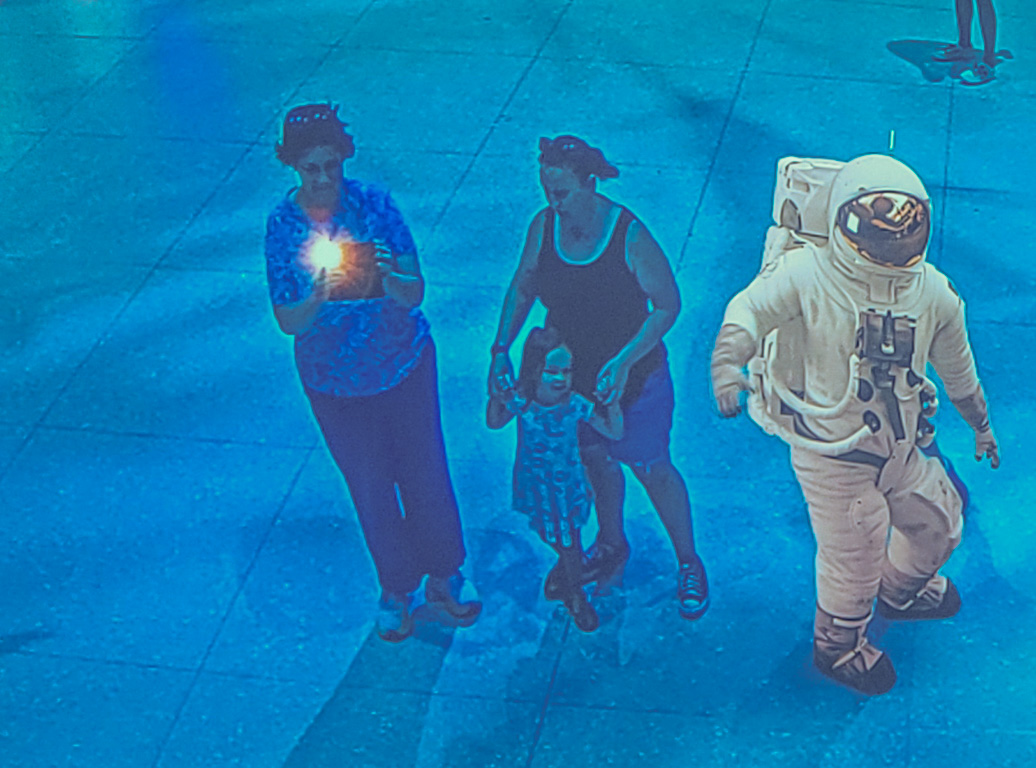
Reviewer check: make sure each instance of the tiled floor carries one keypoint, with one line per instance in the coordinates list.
(183, 581)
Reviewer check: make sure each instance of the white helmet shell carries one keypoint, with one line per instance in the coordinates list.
(866, 176)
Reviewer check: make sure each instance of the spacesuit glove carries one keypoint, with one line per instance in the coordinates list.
(975, 412)
(986, 445)
(734, 348)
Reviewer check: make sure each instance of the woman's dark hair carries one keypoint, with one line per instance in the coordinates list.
(313, 125)
(576, 155)
(539, 342)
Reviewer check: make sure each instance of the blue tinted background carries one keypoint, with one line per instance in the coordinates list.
(182, 580)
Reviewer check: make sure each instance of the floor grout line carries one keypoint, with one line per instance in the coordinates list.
(719, 141)
(242, 581)
(496, 120)
(542, 715)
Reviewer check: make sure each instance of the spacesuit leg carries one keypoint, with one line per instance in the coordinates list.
(850, 521)
(926, 518)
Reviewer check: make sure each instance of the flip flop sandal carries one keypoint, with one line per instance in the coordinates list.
(982, 72)
(955, 53)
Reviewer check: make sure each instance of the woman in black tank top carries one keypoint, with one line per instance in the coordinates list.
(610, 291)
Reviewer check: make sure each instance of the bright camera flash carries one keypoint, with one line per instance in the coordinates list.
(325, 253)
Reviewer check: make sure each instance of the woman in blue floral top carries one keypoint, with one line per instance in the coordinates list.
(345, 282)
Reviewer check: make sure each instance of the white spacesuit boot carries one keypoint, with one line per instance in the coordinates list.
(842, 652)
(910, 598)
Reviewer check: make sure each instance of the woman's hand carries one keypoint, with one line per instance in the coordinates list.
(501, 375)
(611, 381)
(322, 284)
(400, 276)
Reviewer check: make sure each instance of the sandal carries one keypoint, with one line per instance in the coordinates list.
(983, 74)
(955, 53)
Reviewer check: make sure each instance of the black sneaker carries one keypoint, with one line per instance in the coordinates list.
(606, 566)
(584, 616)
(692, 590)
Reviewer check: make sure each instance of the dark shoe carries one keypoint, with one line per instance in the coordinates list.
(454, 595)
(842, 653)
(605, 565)
(583, 614)
(395, 623)
(692, 590)
(938, 599)
(553, 585)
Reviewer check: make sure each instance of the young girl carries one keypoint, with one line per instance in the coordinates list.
(550, 485)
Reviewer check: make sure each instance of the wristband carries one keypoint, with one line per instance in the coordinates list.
(498, 349)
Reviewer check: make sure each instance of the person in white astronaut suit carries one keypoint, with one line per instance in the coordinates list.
(868, 314)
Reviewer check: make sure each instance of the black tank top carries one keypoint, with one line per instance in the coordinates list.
(598, 307)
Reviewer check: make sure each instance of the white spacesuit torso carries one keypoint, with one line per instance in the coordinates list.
(824, 397)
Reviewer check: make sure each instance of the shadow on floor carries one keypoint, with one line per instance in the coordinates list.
(922, 54)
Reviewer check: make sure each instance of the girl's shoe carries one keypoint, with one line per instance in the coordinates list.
(583, 614)
(692, 589)
(395, 622)
(454, 595)
(553, 585)
(605, 564)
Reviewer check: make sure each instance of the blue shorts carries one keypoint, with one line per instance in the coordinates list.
(647, 422)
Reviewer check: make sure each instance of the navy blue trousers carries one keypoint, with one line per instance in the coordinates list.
(389, 447)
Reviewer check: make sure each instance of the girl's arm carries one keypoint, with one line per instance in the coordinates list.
(497, 412)
(607, 419)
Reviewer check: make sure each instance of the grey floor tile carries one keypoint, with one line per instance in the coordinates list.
(12, 437)
(309, 602)
(154, 373)
(725, 248)
(70, 712)
(827, 726)
(581, 738)
(14, 145)
(122, 18)
(976, 224)
(980, 156)
(480, 238)
(779, 115)
(511, 652)
(464, 732)
(114, 200)
(45, 76)
(233, 721)
(173, 527)
(364, 728)
(811, 39)
(321, 22)
(472, 26)
(974, 746)
(413, 100)
(51, 319)
(662, 116)
(189, 88)
(655, 35)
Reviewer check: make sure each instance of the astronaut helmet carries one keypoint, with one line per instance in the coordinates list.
(881, 211)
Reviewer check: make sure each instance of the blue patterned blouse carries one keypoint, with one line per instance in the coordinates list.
(354, 347)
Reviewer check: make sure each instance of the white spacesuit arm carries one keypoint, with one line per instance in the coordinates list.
(772, 298)
(950, 352)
